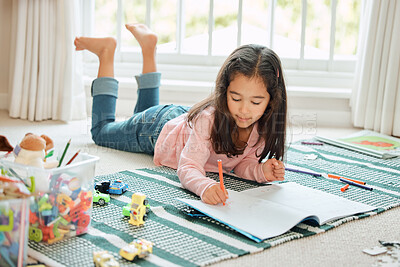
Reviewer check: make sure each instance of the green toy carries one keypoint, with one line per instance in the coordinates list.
(100, 198)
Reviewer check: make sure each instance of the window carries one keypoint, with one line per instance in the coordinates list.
(316, 40)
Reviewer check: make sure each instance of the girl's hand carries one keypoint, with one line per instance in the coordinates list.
(214, 195)
(274, 170)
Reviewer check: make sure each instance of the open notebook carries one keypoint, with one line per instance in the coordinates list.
(272, 210)
(368, 142)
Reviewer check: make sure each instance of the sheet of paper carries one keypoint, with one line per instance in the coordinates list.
(260, 218)
(325, 206)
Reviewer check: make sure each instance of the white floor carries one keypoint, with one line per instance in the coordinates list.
(341, 246)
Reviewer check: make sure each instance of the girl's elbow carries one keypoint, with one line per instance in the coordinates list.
(180, 174)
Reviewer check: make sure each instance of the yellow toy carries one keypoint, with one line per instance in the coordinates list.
(138, 248)
(104, 259)
(138, 211)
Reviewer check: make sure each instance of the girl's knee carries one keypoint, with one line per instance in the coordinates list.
(94, 132)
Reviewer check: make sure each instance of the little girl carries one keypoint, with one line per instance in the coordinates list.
(241, 123)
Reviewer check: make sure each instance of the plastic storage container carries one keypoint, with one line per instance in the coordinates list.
(14, 224)
(62, 197)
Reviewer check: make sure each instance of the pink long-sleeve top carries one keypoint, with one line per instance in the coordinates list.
(189, 150)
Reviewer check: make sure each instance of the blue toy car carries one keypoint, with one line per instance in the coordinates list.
(118, 187)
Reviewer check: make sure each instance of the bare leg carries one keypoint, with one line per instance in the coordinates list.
(104, 48)
(148, 42)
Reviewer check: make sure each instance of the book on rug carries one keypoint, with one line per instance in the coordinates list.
(271, 210)
(368, 142)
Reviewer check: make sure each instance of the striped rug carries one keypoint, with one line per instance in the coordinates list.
(197, 241)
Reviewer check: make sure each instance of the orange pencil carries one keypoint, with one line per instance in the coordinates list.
(73, 157)
(338, 177)
(344, 188)
(334, 176)
(221, 177)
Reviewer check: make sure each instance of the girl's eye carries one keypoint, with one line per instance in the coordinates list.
(235, 99)
(256, 103)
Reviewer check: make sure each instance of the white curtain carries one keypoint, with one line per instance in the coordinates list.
(46, 80)
(376, 96)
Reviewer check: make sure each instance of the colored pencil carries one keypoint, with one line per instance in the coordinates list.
(63, 154)
(221, 177)
(76, 154)
(305, 172)
(338, 177)
(355, 184)
(344, 188)
(312, 143)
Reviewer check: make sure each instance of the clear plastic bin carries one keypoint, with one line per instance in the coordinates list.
(63, 197)
(14, 224)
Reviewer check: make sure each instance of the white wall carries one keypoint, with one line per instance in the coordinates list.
(5, 36)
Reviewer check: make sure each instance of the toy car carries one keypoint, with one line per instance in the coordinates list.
(103, 186)
(138, 248)
(138, 212)
(126, 210)
(104, 259)
(118, 187)
(100, 198)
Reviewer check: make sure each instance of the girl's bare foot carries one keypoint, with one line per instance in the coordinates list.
(104, 48)
(98, 46)
(147, 39)
(148, 42)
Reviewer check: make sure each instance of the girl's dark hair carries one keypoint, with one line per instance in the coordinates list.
(252, 61)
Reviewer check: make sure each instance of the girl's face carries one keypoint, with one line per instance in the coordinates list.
(247, 100)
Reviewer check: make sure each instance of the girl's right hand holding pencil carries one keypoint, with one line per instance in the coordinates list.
(274, 170)
(214, 195)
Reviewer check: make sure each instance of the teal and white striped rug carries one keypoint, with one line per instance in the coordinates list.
(192, 241)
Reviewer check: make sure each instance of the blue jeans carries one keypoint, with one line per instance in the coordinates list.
(140, 132)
